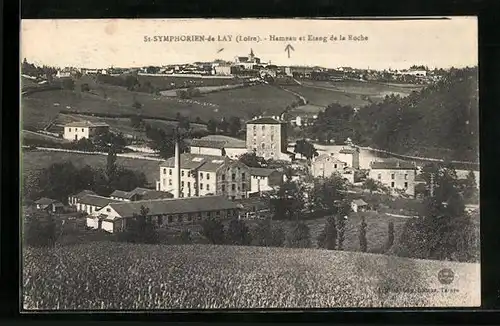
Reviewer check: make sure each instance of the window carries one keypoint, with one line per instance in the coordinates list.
(169, 182)
(69, 129)
(179, 218)
(201, 175)
(233, 197)
(243, 186)
(90, 209)
(169, 218)
(392, 176)
(406, 184)
(223, 188)
(208, 176)
(272, 137)
(392, 184)
(335, 166)
(160, 220)
(243, 175)
(182, 183)
(217, 213)
(190, 217)
(263, 128)
(243, 196)
(406, 176)
(272, 153)
(379, 176)
(169, 171)
(254, 128)
(201, 186)
(188, 174)
(164, 171)
(263, 145)
(233, 176)
(182, 172)
(233, 187)
(108, 210)
(163, 181)
(223, 177)
(208, 187)
(82, 129)
(189, 184)
(199, 216)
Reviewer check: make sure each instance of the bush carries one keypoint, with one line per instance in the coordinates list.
(213, 230)
(266, 235)
(193, 92)
(85, 87)
(363, 243)
(68, 84)
(181, 93)
(300, 236)
(40, 230)
(390, 236)
(238, 233)
(185, 237)
(327, 239)
(341, 231)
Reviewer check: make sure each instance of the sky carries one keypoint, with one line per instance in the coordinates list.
(395, 44)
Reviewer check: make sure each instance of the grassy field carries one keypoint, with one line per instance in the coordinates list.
(168, 82)
(324, 97)
(110, 275)
(33, 161)
(243, 101)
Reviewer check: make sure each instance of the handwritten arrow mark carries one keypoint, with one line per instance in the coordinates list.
(288, 48)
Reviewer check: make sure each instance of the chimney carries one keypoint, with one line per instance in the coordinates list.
(177, 167)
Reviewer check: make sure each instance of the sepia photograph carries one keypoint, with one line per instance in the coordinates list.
(172, 164)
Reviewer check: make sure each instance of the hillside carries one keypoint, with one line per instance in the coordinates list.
(208, 276)
(440, 121)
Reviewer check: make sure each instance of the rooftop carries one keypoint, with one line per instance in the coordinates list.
(328, 157)
(393, 165)
(208, 143)
(45, 201)
(174, 206)
(86, 124)
(229, 141)
(203, 162)
(264, 120)
(359, 202)
(98, 201)
(83, 193)
(348, 150)
(261, 172)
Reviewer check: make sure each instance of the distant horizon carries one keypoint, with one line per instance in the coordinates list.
(397, 44)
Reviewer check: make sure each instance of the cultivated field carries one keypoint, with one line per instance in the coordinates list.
(169, 82)
(33, 161)
(324, 97)
(110, 275)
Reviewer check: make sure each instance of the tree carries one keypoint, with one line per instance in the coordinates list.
(131, 82)
(213, 230)
(390, 236)
(183, 122)
(181, 93)
(371, 185)
(267, 235)
(234, 126)
(327, 239)
(342, 213)
(223, 126)
(185, 237)
(327, 192)
(238, 233)
(152, 70)
(288, 201)
(84, 88)
(212, 126)
(470, 188)
(136, 122)
(68, 83)
(140, 228)
(251, 159)
(40, 230)
(300, 236)
(363, 243)
(306, 149)
(111, 165)
(137, 105)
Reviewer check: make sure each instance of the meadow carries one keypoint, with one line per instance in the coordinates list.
(323, 97)
(111, 275)
(170, 82)
(33, 161)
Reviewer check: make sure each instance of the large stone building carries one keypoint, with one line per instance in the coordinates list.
(84, 129)
(327, 164)
(264, 180)
(247, 62)
(267, 137)
(350, 155)
(201, 175)
(396, 175)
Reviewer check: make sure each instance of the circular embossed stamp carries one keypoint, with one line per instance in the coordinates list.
(446, 276)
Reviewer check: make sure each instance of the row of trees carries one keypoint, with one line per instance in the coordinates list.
(60, 180)
(230, 127)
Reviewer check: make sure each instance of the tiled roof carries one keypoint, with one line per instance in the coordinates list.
(174, 206)
(359, 202)
(328, 157)
(84, 124)
(98, 201)
(154, 194)
(140, 191)
(83, 193)
(45, 201)
(120, 194)
(208, 143)
(348, 150)
(393, 165)
(190, 161)
(264, 120)
(261, 172)
(230, 142)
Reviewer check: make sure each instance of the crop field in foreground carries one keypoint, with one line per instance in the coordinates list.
(108, 275)
(33, 161)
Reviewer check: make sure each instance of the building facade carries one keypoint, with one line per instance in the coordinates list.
(203, 175)
(113, 217)
(327, 164)
(350, 155)
(264, 180)
(396, 175)
(267, 137)
(78, 130)
(218, 147)
(92, 203)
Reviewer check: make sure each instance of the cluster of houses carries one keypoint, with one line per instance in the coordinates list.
(210, 181)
